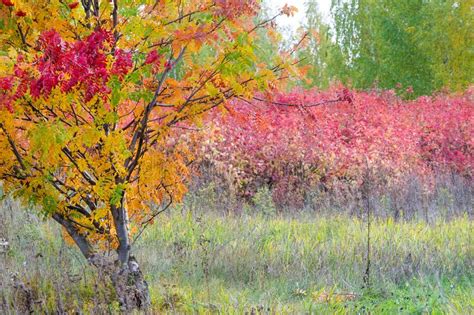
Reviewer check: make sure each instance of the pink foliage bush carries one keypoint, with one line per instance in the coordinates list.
(295, 148)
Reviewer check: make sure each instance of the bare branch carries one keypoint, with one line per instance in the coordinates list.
(146, 223)
(296, 105)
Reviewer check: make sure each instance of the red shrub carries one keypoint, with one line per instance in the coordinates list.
(294, 148)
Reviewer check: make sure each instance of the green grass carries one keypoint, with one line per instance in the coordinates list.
(286, 264)
(207, 262)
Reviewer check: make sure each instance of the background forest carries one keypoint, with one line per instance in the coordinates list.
(412, 47)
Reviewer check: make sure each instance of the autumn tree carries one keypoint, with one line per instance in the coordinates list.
(321, 55)
(91, 95)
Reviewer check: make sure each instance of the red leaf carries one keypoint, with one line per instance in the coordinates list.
(8, 3)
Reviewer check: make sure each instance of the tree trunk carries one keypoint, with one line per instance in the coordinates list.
(127, 279)
(130, 286)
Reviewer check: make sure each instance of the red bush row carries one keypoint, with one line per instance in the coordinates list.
(294, 148)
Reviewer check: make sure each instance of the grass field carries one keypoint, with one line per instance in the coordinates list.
(256, 264)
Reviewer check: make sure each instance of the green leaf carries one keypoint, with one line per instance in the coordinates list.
(117, 194)
(49, 204)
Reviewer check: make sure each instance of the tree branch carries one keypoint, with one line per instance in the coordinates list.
(14, 149)
(140, 134)
(80, 240)
(85, 174)
(145, 224)
(297, 105)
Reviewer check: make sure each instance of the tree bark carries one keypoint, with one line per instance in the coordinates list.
(119, 215)
(79, 239)
(124, 272)
(130, 286)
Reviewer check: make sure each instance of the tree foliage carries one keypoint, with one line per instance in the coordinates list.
(93, 96)
(421, 46)
(324, 61)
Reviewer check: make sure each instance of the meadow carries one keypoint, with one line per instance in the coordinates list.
(254, 262)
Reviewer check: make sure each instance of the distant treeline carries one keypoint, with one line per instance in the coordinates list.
(416, 47)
